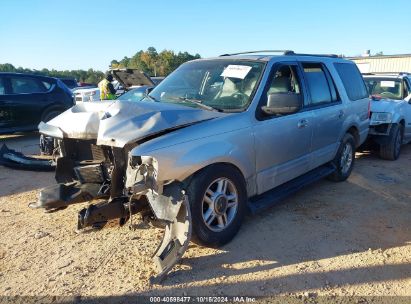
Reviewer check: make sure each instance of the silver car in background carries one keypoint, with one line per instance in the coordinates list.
(216, 137)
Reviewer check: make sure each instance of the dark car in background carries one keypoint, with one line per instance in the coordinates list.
(26, 100)
(71, 83)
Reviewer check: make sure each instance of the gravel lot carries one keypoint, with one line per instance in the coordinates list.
(333, 239)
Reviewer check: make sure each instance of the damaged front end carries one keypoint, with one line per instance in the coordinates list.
(117, 186)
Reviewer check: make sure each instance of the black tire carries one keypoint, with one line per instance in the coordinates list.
(342, 173)
(49, 115)
(392, 149)
(196, 191)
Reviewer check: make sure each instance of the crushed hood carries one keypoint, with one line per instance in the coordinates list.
(119, 123)
(132, 77)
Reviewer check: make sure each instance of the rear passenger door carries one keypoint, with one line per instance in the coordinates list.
(29, 97)
(328, 112)
(6, 119)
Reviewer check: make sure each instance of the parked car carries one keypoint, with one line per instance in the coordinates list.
(390, 124)
(71, 83)
(215, 138)
(125, 79)
(25, 100)
(136, 94)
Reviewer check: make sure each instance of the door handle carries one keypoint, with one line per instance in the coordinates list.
(302, 123)
(341, 114)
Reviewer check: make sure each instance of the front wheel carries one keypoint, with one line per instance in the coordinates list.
(217, 199)
(344, 160)
(391, 150)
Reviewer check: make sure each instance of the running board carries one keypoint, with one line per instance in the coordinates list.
(276, 195)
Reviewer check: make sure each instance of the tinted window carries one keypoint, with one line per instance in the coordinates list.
(2, 87)
(321, 90)
(352, 80)
(22, 85)
(47, 85)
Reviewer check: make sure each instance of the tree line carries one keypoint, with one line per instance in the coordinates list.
(154, 63)
(149, 61)
(89, 76)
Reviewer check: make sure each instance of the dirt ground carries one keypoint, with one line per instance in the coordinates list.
(333, 239)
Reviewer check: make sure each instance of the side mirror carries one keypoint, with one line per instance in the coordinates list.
(282, 104)
(408, 98)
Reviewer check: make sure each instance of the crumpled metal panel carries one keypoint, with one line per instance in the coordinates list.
(119, 123)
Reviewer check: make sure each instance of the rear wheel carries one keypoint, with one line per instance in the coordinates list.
(391, 150)
(217, 199)
(344, 160)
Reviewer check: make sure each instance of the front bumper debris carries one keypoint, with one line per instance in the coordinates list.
(86, 172)
(175, 210)
(16, 160)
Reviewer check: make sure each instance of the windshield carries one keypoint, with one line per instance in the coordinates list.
(134, 94)
(211, 84)
(390, 88)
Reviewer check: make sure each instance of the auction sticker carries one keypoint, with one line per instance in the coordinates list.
(236, 71)
(387, 84)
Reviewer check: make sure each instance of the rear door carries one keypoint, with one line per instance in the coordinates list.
(6, 118)
(282, 143)
(328, 112)
(29, 97)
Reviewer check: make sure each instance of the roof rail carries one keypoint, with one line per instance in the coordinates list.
(315, 55)
(387, 73)
(284, 52)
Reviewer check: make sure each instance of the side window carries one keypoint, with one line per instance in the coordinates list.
(2, 87)
(352, 80)
(21, 85)
(285, 80)
(407, 88)
(320, 84)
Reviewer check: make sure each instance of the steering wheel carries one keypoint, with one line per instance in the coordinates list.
(239, 95)
(388, 94)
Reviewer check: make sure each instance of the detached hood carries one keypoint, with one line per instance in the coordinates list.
(119, 123)
(385, 105)
(131, 77)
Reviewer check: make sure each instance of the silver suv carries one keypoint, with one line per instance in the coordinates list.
(217, 137)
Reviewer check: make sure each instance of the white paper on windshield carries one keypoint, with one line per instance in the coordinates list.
(387, 84)
(236, 71)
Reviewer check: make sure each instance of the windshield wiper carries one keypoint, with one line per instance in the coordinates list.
(199, 103)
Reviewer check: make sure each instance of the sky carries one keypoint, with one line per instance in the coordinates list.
(83, 34)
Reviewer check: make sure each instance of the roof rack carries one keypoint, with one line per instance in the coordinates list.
(284, 52)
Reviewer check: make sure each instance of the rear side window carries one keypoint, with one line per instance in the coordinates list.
(21, 85)
(320, 84)
(2, 87)
(352, 80)
(47, 85)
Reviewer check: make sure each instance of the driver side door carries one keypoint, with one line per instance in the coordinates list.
(282, 143)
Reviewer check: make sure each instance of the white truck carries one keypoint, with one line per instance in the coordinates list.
(390, 124)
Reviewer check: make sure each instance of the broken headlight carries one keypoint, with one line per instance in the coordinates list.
(142, 173)
(380, 118)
